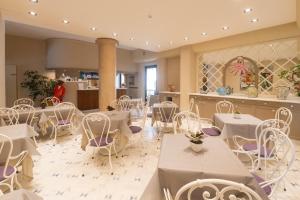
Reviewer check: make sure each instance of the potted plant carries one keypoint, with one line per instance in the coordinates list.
(196, 140)
(293, 76)
(237, 114)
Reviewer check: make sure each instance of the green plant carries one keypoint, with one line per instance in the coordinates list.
(293, 76)
(39, 86)
(196, 138)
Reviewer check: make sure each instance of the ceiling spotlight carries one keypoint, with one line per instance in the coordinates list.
(204, 34)
(186, 38)
(225, 28)
(131, 39)
(115, 34)
(254, 20)
(34, 1)
(93, 28)
(171, 42)
(248, 10)
(32, 13)
(158, 46)
(65, 21)
(147, 43)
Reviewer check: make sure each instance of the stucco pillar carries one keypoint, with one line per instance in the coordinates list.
(107, 54)
(161, 74)
(2, 62)
(187, 75)
(298, 12)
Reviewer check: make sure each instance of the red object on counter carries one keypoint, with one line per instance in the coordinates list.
(59, 92)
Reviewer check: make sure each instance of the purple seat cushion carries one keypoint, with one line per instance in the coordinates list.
(259, 180)
(135, 129)
(253, 147)
(211, 131)
(63, 122)
(9, 170)
(101, 141)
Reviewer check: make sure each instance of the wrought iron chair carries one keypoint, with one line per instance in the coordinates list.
(23, 101)
(167, 111)
(8, 116)
(224, 107)
(8, 172)
(186, 122)
(124, 103)
(284, 114)
(97, 130)
(216, 189)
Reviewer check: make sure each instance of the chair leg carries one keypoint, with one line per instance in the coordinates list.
(109, 160)
(16, 181)
(114, 146)
(55, 135)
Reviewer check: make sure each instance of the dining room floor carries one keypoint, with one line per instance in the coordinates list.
(65, 171)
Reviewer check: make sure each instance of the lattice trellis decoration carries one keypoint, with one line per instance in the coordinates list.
(271, 58)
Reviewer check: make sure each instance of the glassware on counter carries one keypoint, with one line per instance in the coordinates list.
(282, 92)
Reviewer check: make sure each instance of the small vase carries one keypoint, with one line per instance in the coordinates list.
(196, 147)
(236, 116)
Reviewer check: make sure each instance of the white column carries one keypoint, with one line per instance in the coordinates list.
(2, 62)
(298, 12)
(161, 74)
(187, 75)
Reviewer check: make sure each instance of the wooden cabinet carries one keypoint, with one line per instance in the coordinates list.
(87, 99)
(261, 109)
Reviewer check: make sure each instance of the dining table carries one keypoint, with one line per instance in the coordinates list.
(178, 165)
(21, 136)
(121, 121)
(236, 124)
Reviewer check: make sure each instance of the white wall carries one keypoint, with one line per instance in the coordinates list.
(2, 62)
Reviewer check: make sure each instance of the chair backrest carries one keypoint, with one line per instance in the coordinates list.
(8, 116)
(24, 101)
(276, 154)
(26, 113)
(167, 111)
(216, 189)
(124, 103)
(224, 107)
(186, 122)
(6, 147)
(96, 125)
(284, 114)
(192, 103)
(274, 123)
(124, 97)
(153, 99)
(64, 112)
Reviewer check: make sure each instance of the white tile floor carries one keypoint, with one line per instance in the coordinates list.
(65, 172)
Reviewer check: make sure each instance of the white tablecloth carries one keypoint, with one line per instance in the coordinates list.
(230, 126)
(20, 194)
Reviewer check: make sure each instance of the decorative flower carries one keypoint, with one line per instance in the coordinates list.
(239, 68)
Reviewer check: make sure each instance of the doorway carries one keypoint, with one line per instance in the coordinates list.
(150, 80)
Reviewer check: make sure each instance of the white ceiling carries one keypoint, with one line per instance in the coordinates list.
(172, 20)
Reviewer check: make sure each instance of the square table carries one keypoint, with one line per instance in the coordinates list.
(179, 165)
(243, 126)
(20, 135)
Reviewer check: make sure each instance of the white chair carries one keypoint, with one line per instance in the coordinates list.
(5, 187)
(167, 111)
(186, 122)
(97, 130)
(63, 117)
(216, 189)
(224, 107)
(249, 147)
(51, 101)
(23, 101)
(276, 154)
(124, 103)
(192, 104)
(8, 172)
(26, 113)
(284, 114)
(8, 116)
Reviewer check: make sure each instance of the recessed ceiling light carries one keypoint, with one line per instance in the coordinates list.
(34, 1)
(115, 34)
(158, 46)
(204, 34)
(171, 42)
(131, 39)
(32, 13)
(93, 28)
(248, 10)
(225, 28)
(254, 20)
(147, 43)
(186, 38)
(65, 21)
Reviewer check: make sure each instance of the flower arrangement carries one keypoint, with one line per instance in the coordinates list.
(293, 76)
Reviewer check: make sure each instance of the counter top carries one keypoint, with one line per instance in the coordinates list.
(88, 89)
(290, 99)
(168, 92)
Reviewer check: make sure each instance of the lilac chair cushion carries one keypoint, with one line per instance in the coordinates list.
(10, 170)
(101, 141)
(135, 129)
(211, 131)
(63, 122)
(253, 147)
(259, 180)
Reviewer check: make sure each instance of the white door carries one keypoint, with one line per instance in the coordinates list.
(10, 84)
